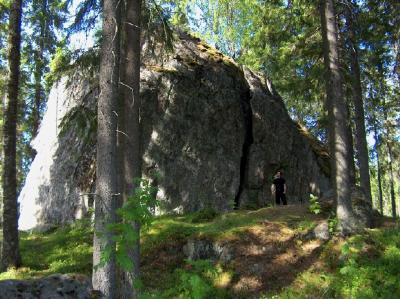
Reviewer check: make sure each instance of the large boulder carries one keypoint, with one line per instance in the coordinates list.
(212, 131)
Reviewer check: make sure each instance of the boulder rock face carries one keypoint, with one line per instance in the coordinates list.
(213, 134)
(56, 286)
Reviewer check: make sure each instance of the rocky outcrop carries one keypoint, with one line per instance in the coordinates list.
(56, 286)
(280, 143)
(213, 132)
(196, 249)
(59, 177)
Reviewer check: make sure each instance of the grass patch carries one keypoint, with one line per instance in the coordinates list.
(65, 250)
(222, 226)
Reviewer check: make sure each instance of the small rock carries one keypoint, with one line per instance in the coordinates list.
(321, 231)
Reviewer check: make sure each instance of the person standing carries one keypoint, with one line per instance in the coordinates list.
(278, 188)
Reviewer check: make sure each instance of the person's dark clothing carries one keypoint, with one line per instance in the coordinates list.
(279, 191)
(280, 197)
(279, 184)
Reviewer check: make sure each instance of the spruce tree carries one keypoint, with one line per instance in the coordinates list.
(10, 256)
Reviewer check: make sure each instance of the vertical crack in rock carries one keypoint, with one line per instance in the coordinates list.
(248, 140)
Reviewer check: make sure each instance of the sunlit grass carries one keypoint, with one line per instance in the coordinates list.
(65, 250)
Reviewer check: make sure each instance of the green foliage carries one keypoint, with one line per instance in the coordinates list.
(196, 280)
(371, 268)
(66, 62)
(136, 213)
(59, 63)
(332, 223)
(83, 120)
(86, 16)
(314, 207)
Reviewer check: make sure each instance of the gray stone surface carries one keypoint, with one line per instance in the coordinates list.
(56, 286)
(196, 249)
(321, 231)
(362, 208)
(279, 143)
(209, 130)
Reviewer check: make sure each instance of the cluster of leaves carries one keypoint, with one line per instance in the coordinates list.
(314, 206)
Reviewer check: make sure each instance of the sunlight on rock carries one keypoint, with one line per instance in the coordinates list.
(311, 246)
(45, 144)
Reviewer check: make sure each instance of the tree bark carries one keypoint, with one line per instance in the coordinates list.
(380, 196)
(392, 194)
(361, 139)
(104, 275)
(10, 252)
(350, 142)
(337, 113)
(131, 127)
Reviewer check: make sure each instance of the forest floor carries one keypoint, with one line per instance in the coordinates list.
(267, 253)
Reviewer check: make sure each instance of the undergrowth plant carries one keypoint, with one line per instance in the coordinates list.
(371, 266)
(136, 211)
(332, 222)
(314, 207)
(196, 280)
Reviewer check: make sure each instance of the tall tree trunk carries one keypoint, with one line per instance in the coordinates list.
(10, 252)
(392, 194)
(131, 127)
(350, 142)
(376, 137)
(337, 113)
(361, 139)
(104, 274)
